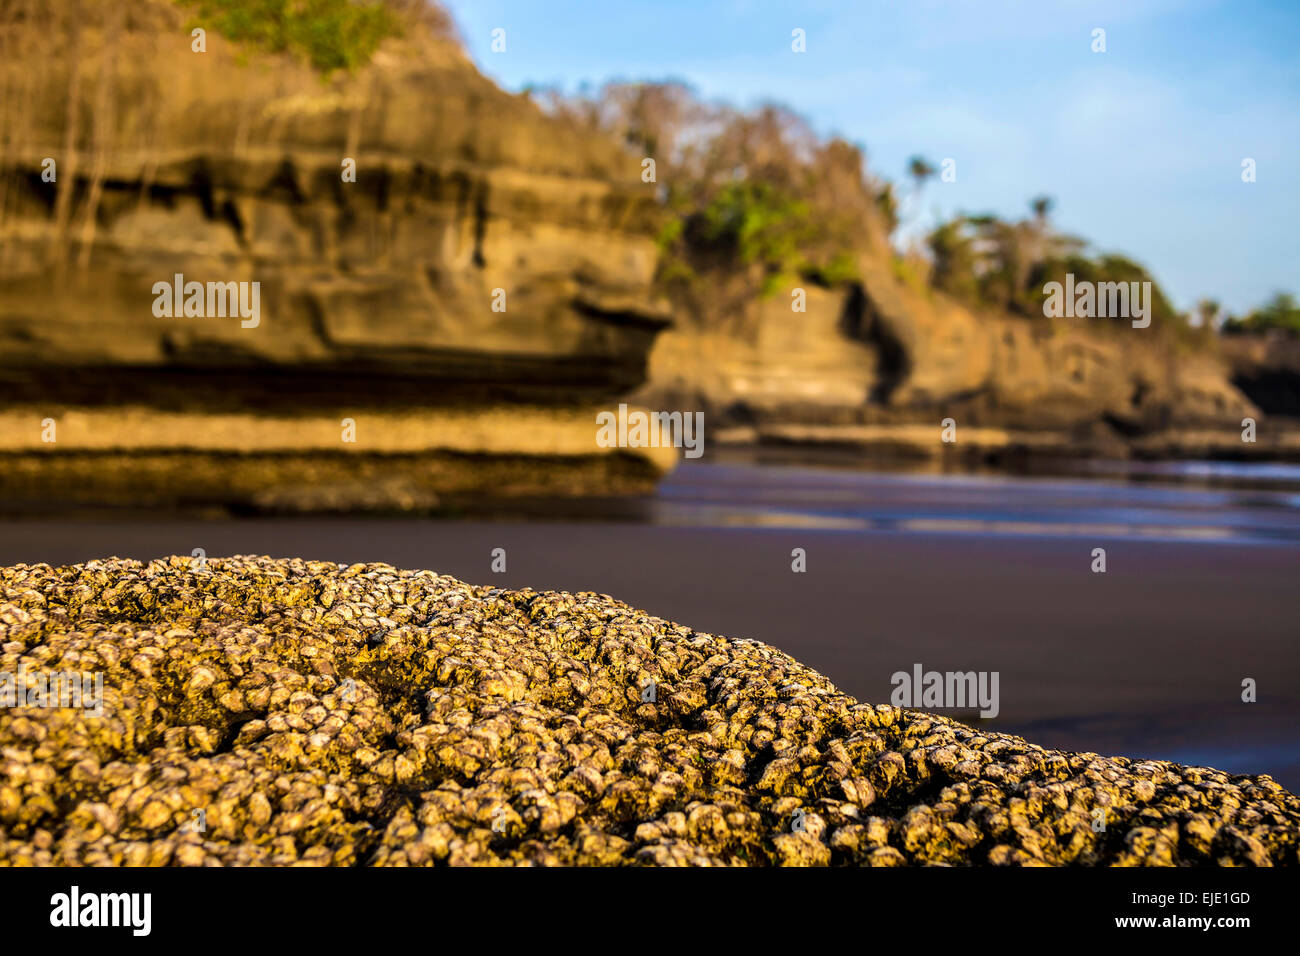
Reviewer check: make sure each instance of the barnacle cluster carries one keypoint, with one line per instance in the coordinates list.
(276, 712)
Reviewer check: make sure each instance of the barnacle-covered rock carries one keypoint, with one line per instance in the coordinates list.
(290, 712)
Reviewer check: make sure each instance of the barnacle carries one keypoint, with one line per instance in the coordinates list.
(320, 714)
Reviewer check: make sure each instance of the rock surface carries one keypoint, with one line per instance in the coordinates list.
(480, 251)
(432, 459)
(469, 299)
(484, 254)
(881, 354)
(1267, 368)
(320, 714)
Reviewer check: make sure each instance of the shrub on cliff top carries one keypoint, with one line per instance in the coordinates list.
(754, 196)
(1280, 314)
(758, 199)
(760, 223)
(991, 263)
(329, 34)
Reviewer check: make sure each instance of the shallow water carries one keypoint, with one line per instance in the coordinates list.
(1266, 507)
(955, 572)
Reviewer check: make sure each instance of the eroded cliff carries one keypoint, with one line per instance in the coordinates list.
(417, 253)
(878, 362)
(479, 251)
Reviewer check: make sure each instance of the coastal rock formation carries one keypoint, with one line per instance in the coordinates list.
(1267, 368)
(420, 254)
(270, 712)
(479, 251)
(381, 460)
(484, 252)
(880, 353)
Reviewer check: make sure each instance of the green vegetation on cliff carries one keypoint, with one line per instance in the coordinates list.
(759, 199)
(756, 197)
(1280, 314)
(990, 263)
(329, 34)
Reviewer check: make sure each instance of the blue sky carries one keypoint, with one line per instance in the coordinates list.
(1141, 146)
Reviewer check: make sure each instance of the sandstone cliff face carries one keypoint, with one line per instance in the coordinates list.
(440, 327)
(381, 292)
(879, 352)
(1267, 368)
(200, 165)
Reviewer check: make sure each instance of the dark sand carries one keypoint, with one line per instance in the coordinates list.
(1145, 660)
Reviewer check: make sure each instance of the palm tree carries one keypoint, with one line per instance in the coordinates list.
(920, 169)
(1035, 241)
(1208, 311)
